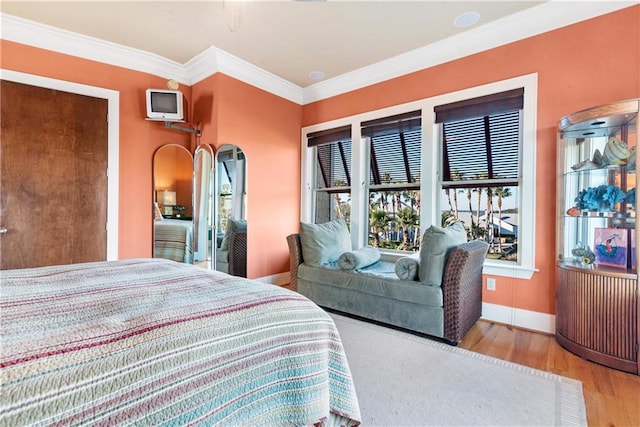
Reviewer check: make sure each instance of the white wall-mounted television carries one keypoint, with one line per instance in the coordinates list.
(163, 104)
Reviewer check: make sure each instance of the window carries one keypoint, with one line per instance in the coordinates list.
(394, 181)
(332, 183)
(393, 172)
(481, 168)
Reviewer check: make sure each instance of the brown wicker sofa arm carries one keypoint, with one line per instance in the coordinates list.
(238, 253)
(295, 257)
(462, 288)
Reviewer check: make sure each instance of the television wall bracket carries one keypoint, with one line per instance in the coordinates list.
(172, 125)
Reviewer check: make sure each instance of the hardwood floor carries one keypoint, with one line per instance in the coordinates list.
(612, 397)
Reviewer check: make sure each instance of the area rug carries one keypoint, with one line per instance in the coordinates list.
(407, 380)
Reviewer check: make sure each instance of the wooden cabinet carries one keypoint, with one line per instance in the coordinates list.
(597, 300)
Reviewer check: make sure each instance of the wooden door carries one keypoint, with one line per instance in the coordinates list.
(53, 180)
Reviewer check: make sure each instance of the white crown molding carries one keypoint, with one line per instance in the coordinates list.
(31, 33)
(546, 17)
(212, 58)
(203, 65)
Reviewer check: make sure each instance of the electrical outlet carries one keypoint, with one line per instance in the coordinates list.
(491, 284)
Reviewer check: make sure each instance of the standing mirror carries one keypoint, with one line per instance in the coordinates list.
(173, 203)
(200, 206)
(231, 210)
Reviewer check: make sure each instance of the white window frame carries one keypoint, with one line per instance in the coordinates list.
(431, 190)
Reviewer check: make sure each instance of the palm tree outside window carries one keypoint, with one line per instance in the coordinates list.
(394, 180)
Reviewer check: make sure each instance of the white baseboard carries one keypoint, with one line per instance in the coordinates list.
(280, 279)
(520, 318)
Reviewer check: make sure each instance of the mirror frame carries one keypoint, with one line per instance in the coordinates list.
(204, 230)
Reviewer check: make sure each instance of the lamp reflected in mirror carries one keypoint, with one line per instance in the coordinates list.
(166, 200)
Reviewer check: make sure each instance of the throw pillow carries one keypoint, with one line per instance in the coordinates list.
(323, 243)
(232, 225)
(358, 258)
(406, 268)
(434, 249)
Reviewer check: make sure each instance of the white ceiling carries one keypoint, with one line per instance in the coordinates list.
(289, 38)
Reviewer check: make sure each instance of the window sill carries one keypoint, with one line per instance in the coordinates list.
(491, 268)
(514, 271)
(392, 256)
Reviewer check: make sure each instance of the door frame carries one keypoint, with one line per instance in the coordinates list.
(113, 139)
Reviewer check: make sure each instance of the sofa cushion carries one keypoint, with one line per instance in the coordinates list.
(358, 258)
(232, 225)
(378, 279)
(222, 266)
(324, 243)
(222, 255)
(434, 248)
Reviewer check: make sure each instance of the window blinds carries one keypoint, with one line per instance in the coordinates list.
(481, 140)
(333, 147)
(395, 148)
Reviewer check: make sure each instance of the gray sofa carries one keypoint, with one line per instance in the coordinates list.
(375, 292)
(231, 251)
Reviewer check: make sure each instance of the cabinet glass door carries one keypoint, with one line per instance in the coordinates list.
(598, 198)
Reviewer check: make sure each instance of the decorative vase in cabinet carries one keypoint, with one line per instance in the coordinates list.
(597, 299)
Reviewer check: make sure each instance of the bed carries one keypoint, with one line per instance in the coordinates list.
(173, 239)
(156, 342)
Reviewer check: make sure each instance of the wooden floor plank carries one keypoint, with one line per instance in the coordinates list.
(612, 398)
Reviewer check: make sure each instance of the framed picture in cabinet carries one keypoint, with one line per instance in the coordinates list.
(611, 247)
(632, 245)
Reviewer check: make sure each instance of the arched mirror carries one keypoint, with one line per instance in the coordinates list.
(230, 192)
(173, 203)
(203, 212)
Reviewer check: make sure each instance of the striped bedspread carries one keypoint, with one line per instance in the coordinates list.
(155, 342)
(173, 239)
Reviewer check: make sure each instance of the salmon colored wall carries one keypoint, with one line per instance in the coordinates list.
(267, 128)
(587, 64)
(139, 138)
